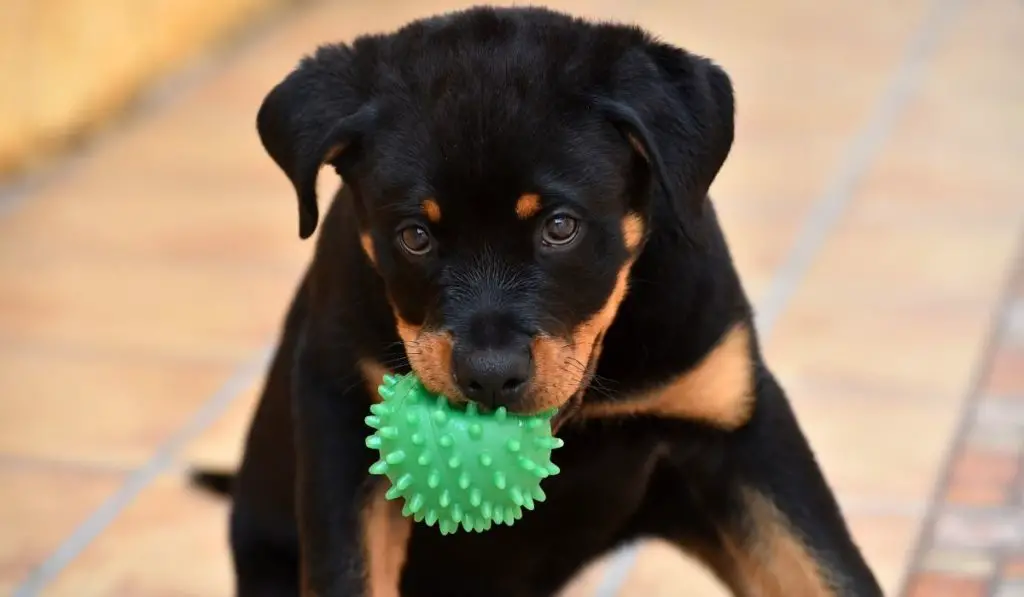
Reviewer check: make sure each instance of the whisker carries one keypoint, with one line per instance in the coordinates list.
(354, 384)
(397, 359)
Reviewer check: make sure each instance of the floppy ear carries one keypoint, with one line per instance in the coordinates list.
(680, 119)
(311, 118)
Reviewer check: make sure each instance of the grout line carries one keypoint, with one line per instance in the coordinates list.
(1015, 321)
(967, 416)
(161, 460)
(827, 211)
(1013, 502)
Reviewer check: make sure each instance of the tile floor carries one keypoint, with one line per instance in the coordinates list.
(874, 201)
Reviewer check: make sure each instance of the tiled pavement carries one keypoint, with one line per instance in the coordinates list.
(975, 537)
(874, 201)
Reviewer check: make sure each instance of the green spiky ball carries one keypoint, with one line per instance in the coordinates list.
(454, 466)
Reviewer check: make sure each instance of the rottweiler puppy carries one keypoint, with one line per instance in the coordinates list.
(524, 222)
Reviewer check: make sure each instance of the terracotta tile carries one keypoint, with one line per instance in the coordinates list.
(1005, 376)
(830, 387)
(960, 123)
(792, 130)
(916, 183)
(879, 446)
(191, 221)
(170, 542)
(39, 508)
(987, 25)
(789, 24)
(982, 45)
(883, 299)
(902, 347)
(783, 32)
(113, 410)
(930, 584)
(194, 310)
(1013, 567)
(875, 257)
(981, 477)
(208, 146)
(919, 184)
(963, 113)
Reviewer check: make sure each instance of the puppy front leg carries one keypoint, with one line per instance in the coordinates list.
(352, 540)
(794, 539)
(766, 522)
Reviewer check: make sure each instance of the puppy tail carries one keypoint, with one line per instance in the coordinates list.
(215, 482)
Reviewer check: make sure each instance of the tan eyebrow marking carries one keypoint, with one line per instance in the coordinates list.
(432, 210)
(527, 206)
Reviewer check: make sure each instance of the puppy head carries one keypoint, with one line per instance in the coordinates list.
(508, 166)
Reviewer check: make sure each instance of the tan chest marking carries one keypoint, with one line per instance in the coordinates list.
(718, 390)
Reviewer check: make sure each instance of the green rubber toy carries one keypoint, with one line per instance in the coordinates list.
(455, 466)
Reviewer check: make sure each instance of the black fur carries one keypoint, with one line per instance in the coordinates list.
(474, 109)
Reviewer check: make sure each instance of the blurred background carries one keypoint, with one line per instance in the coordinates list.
(874, 200)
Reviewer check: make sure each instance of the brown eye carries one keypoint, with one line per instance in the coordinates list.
(560, 230)
(415, 239)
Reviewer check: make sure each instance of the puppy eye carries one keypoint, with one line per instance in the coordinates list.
(560, 230)
(415, 239)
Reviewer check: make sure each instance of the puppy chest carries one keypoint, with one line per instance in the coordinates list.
(588, 505)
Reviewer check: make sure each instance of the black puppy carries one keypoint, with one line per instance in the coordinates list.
(524, 222)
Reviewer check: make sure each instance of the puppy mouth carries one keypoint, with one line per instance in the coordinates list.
(567, 410)
(564, 412)
(573, 405)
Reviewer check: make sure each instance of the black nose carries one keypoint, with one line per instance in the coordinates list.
(493, 377)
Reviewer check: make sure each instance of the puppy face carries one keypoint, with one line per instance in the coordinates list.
(505, 259)
(508, 165)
